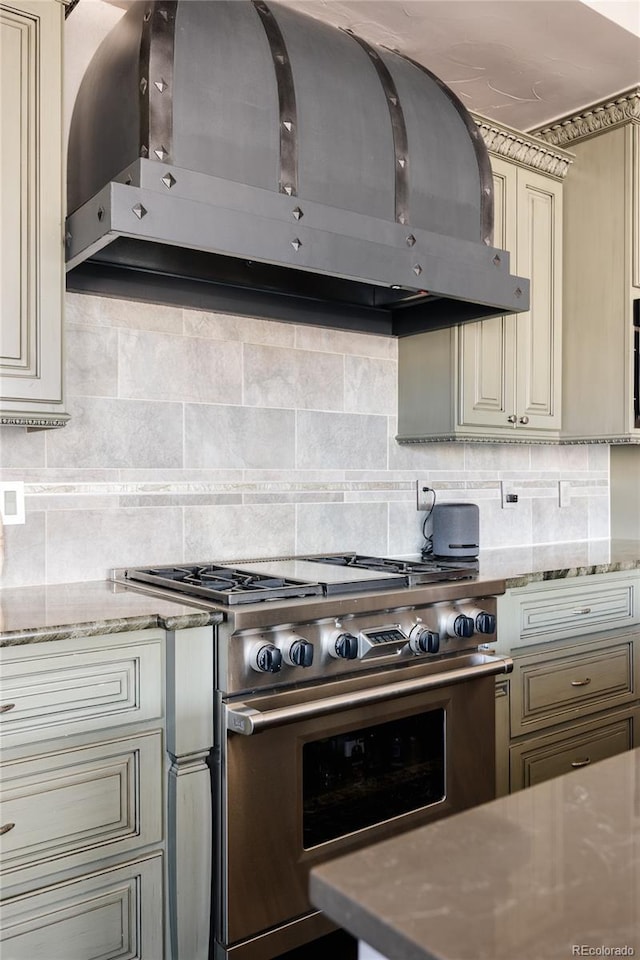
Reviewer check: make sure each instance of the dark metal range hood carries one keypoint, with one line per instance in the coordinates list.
(242, 157)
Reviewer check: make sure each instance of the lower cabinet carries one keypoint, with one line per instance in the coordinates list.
(574, 695)
(82, 799)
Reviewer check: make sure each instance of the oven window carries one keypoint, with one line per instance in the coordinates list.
(357, 779)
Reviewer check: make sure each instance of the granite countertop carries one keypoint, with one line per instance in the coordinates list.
(538, 875)
(519, 566)
(59, 611)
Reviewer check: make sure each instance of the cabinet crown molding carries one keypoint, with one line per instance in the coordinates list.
(523, 148)
(604, 115)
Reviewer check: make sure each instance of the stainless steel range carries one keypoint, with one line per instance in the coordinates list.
(354, 698)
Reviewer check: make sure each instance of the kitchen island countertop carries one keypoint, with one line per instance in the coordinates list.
(87, 609)
(547, 873)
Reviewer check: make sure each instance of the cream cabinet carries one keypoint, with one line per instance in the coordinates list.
(499, 379)
(574, 695)
(82, 798)
(601, 310)
(31, 213)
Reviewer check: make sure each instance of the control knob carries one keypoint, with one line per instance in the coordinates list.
(459, 625)
(484, 622)
(423, 640)
(344, 646)
(299, 652)
(266, 659)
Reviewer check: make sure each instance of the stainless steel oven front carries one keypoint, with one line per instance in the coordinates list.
(302, 775)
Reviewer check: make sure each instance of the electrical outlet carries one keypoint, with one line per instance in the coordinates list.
(424, 495)
(12, 501)
(509, 498)
(564, 493)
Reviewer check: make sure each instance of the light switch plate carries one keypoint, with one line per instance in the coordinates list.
(12, 501)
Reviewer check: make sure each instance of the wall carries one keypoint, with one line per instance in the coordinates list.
(197, 436)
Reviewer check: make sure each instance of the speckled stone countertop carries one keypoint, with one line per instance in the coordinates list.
(547, 873)
(557, 561)
(56, 612)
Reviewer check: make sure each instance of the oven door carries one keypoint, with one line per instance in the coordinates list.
(308, 774)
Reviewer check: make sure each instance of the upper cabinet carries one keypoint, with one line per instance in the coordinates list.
(499, 379)
(31, 213)
(601, 309)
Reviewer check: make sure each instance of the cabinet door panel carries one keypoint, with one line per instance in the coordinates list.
(538, 330)
(31, 213)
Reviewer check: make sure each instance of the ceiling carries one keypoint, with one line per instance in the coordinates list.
(521, 62)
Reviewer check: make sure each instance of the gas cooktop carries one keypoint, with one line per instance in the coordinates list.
(330, 575)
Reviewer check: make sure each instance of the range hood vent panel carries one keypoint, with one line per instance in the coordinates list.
(241, 129)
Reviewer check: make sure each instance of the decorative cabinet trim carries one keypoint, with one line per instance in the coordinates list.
(523, 148)
(599, 117)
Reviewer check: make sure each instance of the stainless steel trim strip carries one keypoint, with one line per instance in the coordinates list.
(398, 129)
(245, 720)
(286, 100)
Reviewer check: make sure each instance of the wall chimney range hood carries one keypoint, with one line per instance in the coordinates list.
(242, 157)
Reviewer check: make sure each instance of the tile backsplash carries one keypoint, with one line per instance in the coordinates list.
(196, 436)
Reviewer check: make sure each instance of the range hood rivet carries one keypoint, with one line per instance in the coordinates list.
(161, 153)
(402, 162)
(67, 238)
(147, 16)
(168, 180)
(518, 292)
(287, 188)
(417, 269)
(411, 240)
(164, 14)
(128, 181)
(298, 214)
(161, 85)
(101, 213)
(143, 86)
(144, 151)
(402, 218)
(280, 57)
(497, 260)
(287, 125)
(296, 244)
(139, 211)
(393, 100)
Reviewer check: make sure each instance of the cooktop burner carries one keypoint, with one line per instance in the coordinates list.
(225, 584)
(418, 571)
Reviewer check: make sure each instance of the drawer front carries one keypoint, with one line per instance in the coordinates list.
(555, 689)
(57, 689)
(576, 610)
(69, 807)
(116, 914)
(542, 759)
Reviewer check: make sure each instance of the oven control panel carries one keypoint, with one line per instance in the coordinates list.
(326, 648)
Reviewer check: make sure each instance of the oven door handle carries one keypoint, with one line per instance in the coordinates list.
(244, 719)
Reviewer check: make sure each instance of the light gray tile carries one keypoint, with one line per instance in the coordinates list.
(112, 312)
(340, 440)
(342, 526)
(118, 433)
(371, 385)
(405, 528)
(92, 361)
(599, 517)
(24, 552)
(324, 339)
(559, 459)
(230, 532)
(599, 456)
(508, 527)
(154, 366)
(222, 326)
(228, 436)
(498, 457)
(86, 544)
(555, 524)
(275, 377)
(20, 449)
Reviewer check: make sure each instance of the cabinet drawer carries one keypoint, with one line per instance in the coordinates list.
(115, 914)
(576, 610)
(70, 806)
(554, 689)
(64, 687)
(545, 757)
